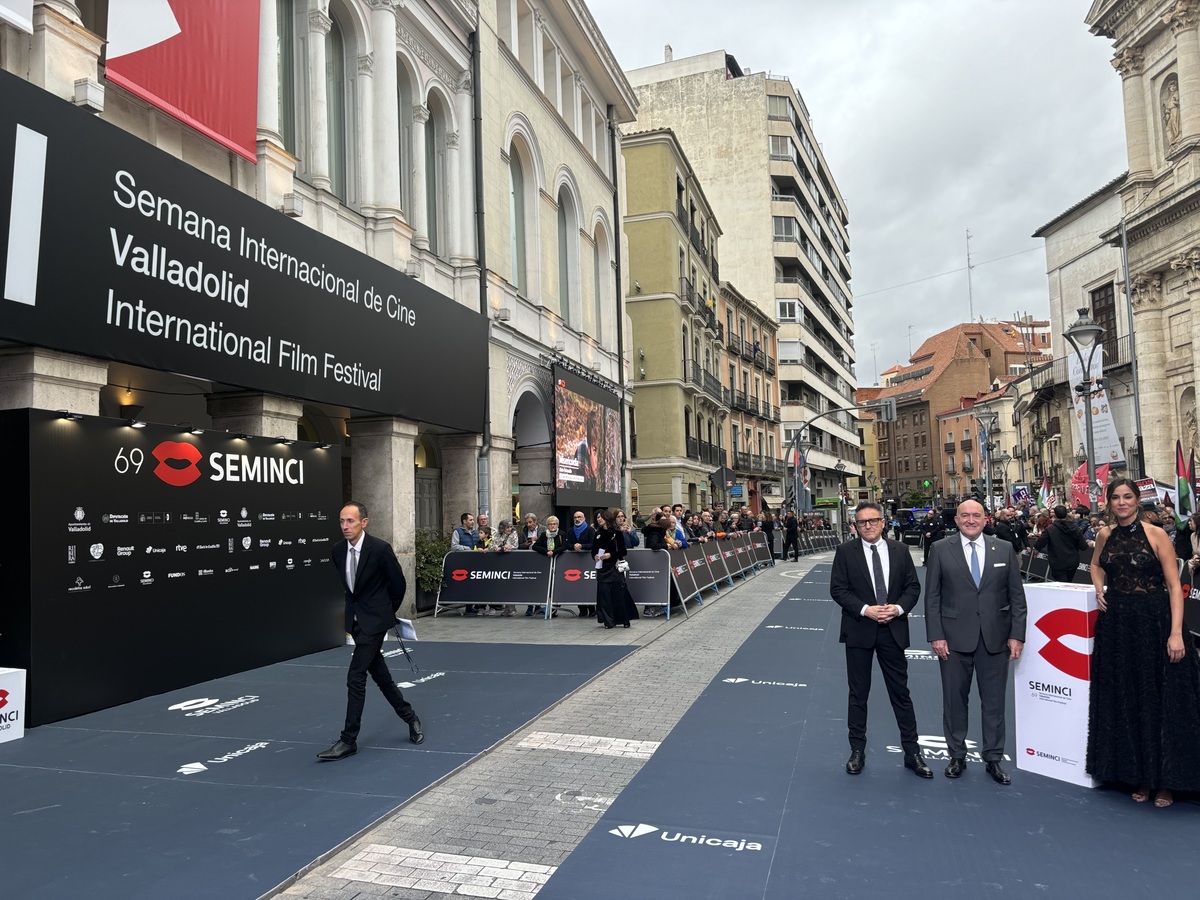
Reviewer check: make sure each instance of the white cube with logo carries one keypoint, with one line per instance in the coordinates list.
(12, 704)
(1052, 682)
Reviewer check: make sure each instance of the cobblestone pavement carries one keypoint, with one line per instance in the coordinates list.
(500, 825)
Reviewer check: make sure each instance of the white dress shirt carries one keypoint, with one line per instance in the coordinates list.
(353, 555)
(883, 560)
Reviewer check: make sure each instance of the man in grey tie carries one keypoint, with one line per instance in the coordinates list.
(975, 620)
(375, 587)
(875, 583)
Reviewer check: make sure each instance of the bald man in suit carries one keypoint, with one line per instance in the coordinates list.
(375, 587)
(975, 621)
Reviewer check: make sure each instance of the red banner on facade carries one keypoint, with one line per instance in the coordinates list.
(196, 60)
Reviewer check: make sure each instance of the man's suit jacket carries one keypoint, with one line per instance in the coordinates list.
(379, 585)
(851, 585)
(585, 539)
(958, 612)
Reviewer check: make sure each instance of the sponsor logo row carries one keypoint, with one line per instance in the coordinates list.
(82, 585)
(98, 550)
(242, 518)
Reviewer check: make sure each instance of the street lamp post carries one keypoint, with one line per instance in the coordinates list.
(1084, 337)
(841, 470)
(1005, 460)
(988, 420)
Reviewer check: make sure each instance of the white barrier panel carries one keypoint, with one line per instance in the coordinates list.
(12, 704)
(1053, 681)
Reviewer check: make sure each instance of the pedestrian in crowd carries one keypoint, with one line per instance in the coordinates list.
(607, 548)
(704, 530)
(932, 530)
(531, 532)
(975, 621)
(503, 541)
(791, 536)
(1062, 542)
(768, 529)
(374, 588)
(875, 583)
(1144, 696)
(551, 543)
(1187, 546)
(466, 537)
(677, 532)
(632, 540)
(655, 532)
(485, 531)
(897, 528)
(584, 534)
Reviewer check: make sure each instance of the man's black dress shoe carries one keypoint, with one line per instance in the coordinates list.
(917, 763)
(340, 750)
(998, 774)
(854, 765)
(415, 734)
(957, 766)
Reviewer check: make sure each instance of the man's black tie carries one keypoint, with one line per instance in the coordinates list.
(880, 584)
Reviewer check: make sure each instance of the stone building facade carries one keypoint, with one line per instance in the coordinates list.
(1157, 56)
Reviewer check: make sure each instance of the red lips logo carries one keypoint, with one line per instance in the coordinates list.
(572, 574)
(169, 452)
(1029, 751)
(460, 574)
(1059, 622)
(3, 699)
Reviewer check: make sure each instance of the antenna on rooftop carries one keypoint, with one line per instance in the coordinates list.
(970, 295)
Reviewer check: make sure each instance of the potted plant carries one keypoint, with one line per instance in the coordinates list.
(431, 548)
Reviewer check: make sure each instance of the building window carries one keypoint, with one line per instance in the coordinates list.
(516, 220)
(568, 253)
(335, 96)
(1104, 313)
(286, 40)
(787, 310)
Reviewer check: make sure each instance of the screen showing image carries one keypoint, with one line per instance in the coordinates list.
(587, 442)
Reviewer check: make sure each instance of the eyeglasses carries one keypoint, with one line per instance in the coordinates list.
(868, 521)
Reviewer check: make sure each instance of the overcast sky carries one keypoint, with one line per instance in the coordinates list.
(936, 116)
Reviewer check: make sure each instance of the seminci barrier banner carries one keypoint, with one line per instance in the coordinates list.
(152, 560)
(124, 252)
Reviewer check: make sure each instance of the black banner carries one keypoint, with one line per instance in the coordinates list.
(649, 578)
(716, 562)
(758, 544)
(698, 563)
(479, 577)
(161, 559)
(681, 575)
(133, 255)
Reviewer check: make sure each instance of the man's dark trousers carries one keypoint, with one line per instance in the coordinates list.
(894, 667)
(368, 658)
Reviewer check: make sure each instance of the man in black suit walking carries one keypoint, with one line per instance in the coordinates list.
(875, 583)
(975, 620)
(375, 587)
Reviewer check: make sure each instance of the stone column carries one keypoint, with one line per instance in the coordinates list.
(1183, 20)
(1129, 64)
(465, 211)
(33, 378)
(500, 483)
(319, 25)
(367, 71)
(268, 73)
(420, 204)
(386, 136)
(257, 414)
(454, 176)
(534, 469)
(1153, 352)
(383, 479)
(460, 477)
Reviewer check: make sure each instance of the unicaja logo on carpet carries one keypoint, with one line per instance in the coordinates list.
(758, 682)
(678, 837)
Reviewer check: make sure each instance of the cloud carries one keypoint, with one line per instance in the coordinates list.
(935, 117)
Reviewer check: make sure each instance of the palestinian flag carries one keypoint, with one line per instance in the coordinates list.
(1045, 495)
(1185, 483)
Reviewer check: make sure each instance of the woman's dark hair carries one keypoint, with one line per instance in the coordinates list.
(1121, 482)
(1060, 512)
(608, 517)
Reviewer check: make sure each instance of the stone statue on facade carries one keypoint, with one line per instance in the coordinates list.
(1172, 129)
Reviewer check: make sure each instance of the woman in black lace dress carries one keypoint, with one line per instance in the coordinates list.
(1144, 715)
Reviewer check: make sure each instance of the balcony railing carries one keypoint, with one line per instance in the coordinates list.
(758, 463)
(687, 293)
(948, 446)
(740, 401)
(681, 214)
(1116, 353)
(716, 269)
(709, 454)
(967, 444)
(733, 342)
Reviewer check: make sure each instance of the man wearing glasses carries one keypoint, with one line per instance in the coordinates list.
(875, 583)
